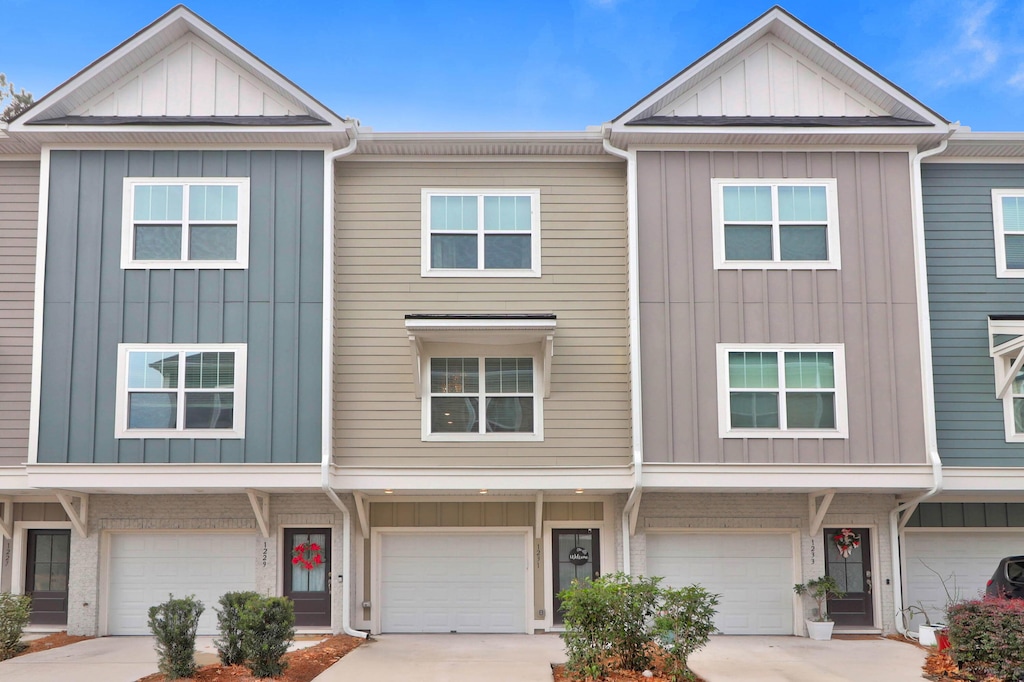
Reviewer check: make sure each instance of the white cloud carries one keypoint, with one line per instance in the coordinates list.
(1017, 79)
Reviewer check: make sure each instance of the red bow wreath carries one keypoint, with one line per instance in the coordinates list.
(307, 556)
(846, 541)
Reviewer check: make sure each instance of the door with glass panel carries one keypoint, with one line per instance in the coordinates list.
(848, 560)
(307, 574)
(576, 554)
(46, 575)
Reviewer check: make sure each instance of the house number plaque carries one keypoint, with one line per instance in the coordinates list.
(579, 556)
(264, 554)
(812, 551)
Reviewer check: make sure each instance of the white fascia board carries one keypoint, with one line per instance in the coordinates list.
(13, 479)
(183, 477)
(455, 479)
(567, 136)
(888, 478)
(780, 131)
(1006, 480)
(541, 325)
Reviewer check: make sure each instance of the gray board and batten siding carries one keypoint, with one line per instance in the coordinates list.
(963, 291)
(869, 305)
(19, 201)
(92, 305)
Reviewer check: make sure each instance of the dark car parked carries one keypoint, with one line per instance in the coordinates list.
(1008, 580)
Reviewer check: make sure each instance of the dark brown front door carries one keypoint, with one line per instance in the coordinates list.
(848, 560)
(46, 575)
(307, 574)
(576, 555)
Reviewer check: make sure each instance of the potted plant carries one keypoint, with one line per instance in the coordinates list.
(820, 589)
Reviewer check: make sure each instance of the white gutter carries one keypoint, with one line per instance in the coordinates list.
(631, 511)
(927, 383)
(327, 409)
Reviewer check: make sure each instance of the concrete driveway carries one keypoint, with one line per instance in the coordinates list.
(798, 659)
(106, 659)
(450, 658)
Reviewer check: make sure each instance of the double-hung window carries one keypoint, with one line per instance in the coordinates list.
(181, 391)
(1008, 220)
(482, 398)
(775, 224)
(185, 223)
(783, 391)
(481, 233)
(1006, 347)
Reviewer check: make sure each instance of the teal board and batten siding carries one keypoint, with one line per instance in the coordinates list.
(92, 305)
(968, 515)
(963, 291)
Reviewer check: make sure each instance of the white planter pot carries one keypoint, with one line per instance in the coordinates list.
(926, 634)
(820, 630)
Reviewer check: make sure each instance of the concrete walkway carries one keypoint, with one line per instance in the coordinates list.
(450, 658)
(106, 659)
(798, 659)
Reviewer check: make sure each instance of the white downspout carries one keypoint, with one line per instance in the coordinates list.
(632, 508)
(927, 382)
(327, 410)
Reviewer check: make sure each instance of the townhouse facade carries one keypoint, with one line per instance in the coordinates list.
(419, 382)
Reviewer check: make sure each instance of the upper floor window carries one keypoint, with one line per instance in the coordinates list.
(785, 391)
(489, 397)
(185, 223)
(481, 233)
(1006, 347)
(775, 224)
(1008, 219)
(180, 390)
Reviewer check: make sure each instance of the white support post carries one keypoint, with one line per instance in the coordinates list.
(817, 512)
(549, 352)
(260, 502)
(362, 513)
(79, 517)
(416, 352)
(7, 518)
(538, 515)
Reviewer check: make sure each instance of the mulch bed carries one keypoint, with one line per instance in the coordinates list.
(939, 667)
(617, 675)
(303, 664)
(54, 641)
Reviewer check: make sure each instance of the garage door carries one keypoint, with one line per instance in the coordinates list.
(458, 582)
(964, 559)
(144, 569)
(753, 573)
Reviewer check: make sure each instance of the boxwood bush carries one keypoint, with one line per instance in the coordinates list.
(986, 637)
(14, 613)
(229, 615)
(174, 625)
(268, 627)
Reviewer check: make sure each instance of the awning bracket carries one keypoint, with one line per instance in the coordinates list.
(260, 502)
(7, 518)
(817, 511)
(79, 516)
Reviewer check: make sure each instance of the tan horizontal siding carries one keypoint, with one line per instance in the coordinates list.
(378, 282)
(19, 200)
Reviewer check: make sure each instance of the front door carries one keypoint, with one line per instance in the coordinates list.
(848, 560)
(46, 575)
(307, 574)
(576, 555)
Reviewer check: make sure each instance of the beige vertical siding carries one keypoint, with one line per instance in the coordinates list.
(378, 282)
(686, 307)
(19, 201)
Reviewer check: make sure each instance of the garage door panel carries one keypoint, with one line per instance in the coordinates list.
(471, 582)
(753, 573)
(966, 559)
(145, 569)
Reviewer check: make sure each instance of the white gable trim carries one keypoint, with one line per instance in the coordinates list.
(110, 70)
(803, 40)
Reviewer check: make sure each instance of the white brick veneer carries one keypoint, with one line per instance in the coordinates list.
(763, 510)
(119, 513)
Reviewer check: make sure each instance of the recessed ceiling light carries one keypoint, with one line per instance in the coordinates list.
(579, 491)
(483, 491)
(389, 491)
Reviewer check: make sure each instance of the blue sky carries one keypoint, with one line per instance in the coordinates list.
(537, 65)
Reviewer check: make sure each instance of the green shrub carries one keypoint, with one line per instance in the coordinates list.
(268, 627)
(14, 613)
(229, 645)
(986, 637)
(174, 625)
(634, 602)
(684, 623)
(585, 607)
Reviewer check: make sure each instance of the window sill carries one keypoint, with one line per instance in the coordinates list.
(185, 265)
(791, 434)
(194, 434)
(779, 265)
(480, 273)
(482, 438)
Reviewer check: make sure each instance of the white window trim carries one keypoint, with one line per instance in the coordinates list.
(1008, 359)
(121, 430)
(832, 228)
(1003, 272)
(725, 429)
(425, 256)
(240, 262)
(483, 351)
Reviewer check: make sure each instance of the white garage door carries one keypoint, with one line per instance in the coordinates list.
(753, 573)
(458, 582)
(964, 559)
(144, 569)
